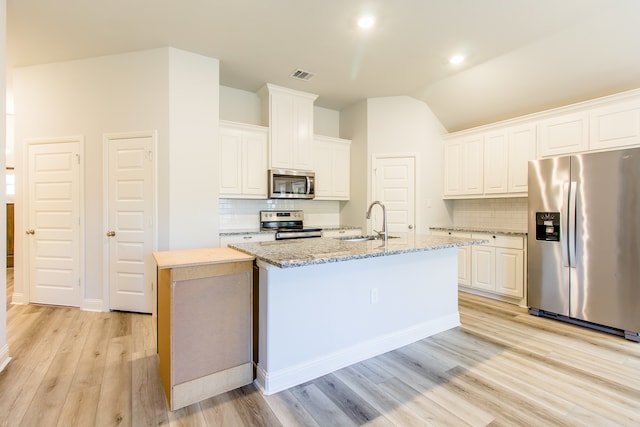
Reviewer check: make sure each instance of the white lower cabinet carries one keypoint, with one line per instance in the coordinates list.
(496, 268)
(510, 272)
(483, 267)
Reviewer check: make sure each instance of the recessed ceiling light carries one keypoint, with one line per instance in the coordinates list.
(456, 59)
(366, 22)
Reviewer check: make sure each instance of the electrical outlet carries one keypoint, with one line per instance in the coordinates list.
(374, 295)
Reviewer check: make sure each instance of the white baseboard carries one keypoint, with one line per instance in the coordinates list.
(4, 357)
(93, 305)
(18, 298)
(273, 382)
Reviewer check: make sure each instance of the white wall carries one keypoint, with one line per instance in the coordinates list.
(242, 106)
(4, 349)
(193, 150)
(401, 124)
(90, 97)
(353, 125)
(392, 125)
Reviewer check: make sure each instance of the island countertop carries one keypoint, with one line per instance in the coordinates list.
(303, 252)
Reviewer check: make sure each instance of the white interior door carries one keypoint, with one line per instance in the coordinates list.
(394, 186)
(130, 229)
(54, 223)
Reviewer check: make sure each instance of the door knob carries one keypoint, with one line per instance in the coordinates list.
(111, 233)
(30, 231)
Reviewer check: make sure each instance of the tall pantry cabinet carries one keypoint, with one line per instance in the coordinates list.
(289, 115)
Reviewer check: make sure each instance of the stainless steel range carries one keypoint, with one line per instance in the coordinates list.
(287, 225)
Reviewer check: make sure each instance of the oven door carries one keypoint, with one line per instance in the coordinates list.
(291, 184)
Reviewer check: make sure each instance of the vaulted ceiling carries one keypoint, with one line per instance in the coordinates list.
(523, 56)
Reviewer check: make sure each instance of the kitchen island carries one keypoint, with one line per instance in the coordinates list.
(324, 303)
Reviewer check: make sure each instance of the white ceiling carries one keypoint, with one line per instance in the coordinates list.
(523, 55)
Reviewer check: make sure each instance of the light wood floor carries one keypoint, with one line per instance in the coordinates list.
(503, 367)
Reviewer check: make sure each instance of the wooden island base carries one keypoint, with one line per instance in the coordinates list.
(204, 323)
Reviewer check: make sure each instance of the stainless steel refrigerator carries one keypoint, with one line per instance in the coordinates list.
(584, 240)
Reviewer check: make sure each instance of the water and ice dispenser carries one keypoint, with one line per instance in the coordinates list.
(548, 226)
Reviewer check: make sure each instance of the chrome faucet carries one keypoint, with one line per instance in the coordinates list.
(384, 234)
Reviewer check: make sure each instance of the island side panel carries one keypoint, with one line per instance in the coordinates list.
(319, 318)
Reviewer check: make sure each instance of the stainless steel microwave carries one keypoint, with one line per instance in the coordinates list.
(291, 184)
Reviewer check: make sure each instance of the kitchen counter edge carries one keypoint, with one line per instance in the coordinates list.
(489, 230)
(304, 252)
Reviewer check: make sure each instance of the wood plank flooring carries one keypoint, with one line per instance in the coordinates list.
(503, 367)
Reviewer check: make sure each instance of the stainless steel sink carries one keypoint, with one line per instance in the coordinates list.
(361, 238)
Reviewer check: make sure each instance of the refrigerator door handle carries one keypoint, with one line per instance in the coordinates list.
(564, 224)
(571, 237)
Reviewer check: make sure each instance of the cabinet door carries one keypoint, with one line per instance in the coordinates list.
(521, 149)
(615, 126)
(302, 133)
(483, 268)
(510, 272)
(254, 165)
(342, 171)
(564, 134)
(495, 163)
(472, 165)
(331, 163)
(464, 266)
(452, 168)
(281, 127)
(323, 167)
(230, 162)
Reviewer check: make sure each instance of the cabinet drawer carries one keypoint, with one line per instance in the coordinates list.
(246, 238)
(500, 241)
(342, 232)
(460, 234)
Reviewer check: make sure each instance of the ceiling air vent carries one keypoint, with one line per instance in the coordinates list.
(302, 75)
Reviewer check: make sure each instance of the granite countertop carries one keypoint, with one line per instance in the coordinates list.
(491, 230)
(303, 252)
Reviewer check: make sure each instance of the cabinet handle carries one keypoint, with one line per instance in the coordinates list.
(493, 237)
(30, 231)
(247, 237)
(111, 233)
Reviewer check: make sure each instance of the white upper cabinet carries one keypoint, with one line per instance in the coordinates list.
(289, 115)
(521, 148)
(489, 164)
(615, 126)
(564, 134)
(453, 167)
(496, 166)
(243, 161)
(332, 158)
(463, 167)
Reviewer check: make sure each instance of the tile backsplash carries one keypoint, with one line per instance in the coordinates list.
(242, 214)
(508, 213)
